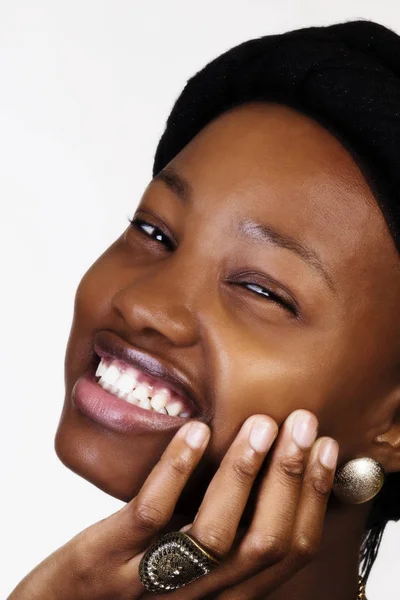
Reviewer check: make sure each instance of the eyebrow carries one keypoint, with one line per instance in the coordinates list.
(250, 229)
(176, 183)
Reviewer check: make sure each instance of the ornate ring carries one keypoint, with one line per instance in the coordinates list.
(173, 561)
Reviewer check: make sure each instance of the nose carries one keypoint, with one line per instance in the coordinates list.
(162, 300)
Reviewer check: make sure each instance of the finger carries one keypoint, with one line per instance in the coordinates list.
(151, 510)
(186, 527)
(318, 483)
(308, 529)
(219, 514)
(269, 538)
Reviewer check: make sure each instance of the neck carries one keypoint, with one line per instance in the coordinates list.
(333, 572)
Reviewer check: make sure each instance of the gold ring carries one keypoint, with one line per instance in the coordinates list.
(173, 561)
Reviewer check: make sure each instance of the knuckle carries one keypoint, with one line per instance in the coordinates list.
(320, 485)
(148, 518)
(303, 548)
(180, 465)
(215, 539)
(85, 562)
(244, 469)
(292, 467)
(82, 564)
(266, 548)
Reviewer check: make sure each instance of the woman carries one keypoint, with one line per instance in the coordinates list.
(241, 339)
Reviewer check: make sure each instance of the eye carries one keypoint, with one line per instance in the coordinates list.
(271, 296)
(151, 231)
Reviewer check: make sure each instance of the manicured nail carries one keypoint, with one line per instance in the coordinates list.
(197, 434)
(328, 453)
(304, 430)
(260, 436)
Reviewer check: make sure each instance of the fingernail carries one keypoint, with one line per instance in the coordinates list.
(260, 436)
(197, 435)
(186, 527)
(328, 453)
(304, 430)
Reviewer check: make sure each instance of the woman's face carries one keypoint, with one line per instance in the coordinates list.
(257, 323)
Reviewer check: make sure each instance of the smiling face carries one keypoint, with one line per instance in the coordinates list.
(257, 323)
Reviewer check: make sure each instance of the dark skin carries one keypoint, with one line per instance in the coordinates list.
(338, 357)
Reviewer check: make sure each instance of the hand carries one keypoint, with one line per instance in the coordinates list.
(102, 561)
(287, 524)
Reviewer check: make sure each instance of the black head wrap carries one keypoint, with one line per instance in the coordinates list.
(346, 76)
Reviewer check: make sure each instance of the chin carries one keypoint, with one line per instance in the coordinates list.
(116, 466)
(113, 464)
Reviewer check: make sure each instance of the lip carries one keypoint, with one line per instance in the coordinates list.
(115, 413)
(107, 345)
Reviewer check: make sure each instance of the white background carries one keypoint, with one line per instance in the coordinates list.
(85, 89)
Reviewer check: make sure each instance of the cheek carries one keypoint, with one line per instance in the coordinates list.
(262, 384)
(92, 297)
(91, 311)
(272, 387)
(283, 374)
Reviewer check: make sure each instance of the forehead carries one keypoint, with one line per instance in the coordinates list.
(270, 163)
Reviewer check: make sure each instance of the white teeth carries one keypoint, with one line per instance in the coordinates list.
(101, 369)
(132, 399)
(126, 382)
(174, 408)
(120, 382)
(145, 403)
(160, 399)
(111, 375)
(107, 386)
(142, 391)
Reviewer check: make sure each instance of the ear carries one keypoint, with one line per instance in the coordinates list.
(387, 444)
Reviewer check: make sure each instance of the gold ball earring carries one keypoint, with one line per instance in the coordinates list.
(358, 480)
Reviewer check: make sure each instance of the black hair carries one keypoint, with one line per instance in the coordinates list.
(346, 76)
(385, 508)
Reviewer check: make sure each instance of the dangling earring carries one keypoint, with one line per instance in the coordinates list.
(358, 480)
